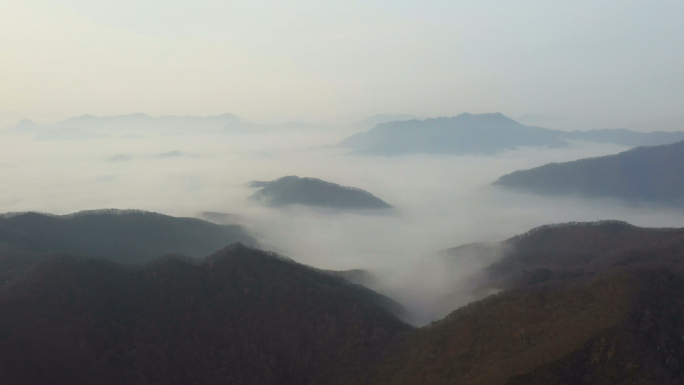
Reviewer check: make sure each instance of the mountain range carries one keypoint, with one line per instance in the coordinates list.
(640, 175)
(140, 124)
(483, 134)
(594, 303)
(128, 236)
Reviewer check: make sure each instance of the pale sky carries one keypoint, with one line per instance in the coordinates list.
(602, 63)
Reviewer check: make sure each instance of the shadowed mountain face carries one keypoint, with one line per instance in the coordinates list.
(483, 134)
(644, 174)
(123, 236)
(290, 190)
(242, 316)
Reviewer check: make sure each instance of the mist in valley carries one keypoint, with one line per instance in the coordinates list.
(439, 201)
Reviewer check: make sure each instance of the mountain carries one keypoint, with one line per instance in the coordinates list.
(617, 329)
(463, 134)
(595, 303)
(643, 174)
(140, 123)
(119, 235)
(577, 252)
(290, 190)
(482, 134)
(240, 316)
(23, 127)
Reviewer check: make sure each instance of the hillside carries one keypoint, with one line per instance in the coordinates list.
(291, 190)
(644, 174)
(241, 316)
(617, 327)
(645, 347)
(119, 235)
(596, 302)
(483, 134)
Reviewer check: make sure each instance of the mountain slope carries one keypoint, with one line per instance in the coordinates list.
(567, 335)
(596, 302)
(644, 174)
(290, 190)
(241, 316)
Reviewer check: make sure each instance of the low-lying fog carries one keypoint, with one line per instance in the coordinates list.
(440, 201)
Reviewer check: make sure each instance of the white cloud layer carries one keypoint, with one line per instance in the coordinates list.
(440, 201)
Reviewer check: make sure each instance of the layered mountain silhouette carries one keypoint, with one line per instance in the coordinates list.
(643, 174)
(292, 189)
(483, 134)
(240, 316)
(143, 123)
(118, 235)
(140, 124)
(596, 303)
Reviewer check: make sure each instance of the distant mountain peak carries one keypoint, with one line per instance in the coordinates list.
(486, 133)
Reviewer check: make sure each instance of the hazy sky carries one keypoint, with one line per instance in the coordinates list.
(604, 64)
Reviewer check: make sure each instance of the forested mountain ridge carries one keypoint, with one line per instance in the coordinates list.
(290, 190)
(594, 302)
(119, 235)
(483, 134)
(552, 335)
(640, 175)
(241, 316)
(571, 252)
(575, 300)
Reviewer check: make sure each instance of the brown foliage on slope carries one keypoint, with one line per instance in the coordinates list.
(505, 335)
(647, 348)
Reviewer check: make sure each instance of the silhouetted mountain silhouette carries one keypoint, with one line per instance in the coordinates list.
(241, 316)
(314, 192)
(119, 235)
